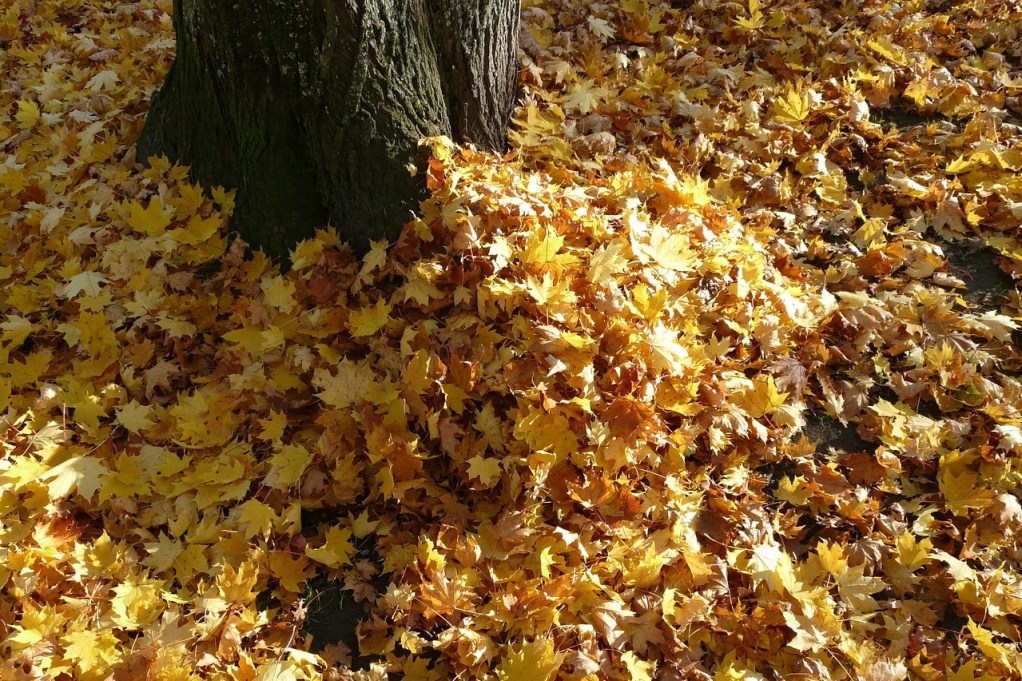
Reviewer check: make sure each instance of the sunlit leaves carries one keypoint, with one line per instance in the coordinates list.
(794, 104)
(562, 415)
(336, 550)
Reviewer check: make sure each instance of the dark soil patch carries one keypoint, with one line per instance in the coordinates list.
(976, 265)
(827, 432)
(332, 617)
(902, 119)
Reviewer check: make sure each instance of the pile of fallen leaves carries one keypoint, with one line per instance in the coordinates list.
(564, 428)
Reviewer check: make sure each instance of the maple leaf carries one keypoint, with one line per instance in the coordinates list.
(336, 550)
(547, 431)
(152, 220)
(638, 670)
(238, 585)
(763, 398)
(162, 553)
(197, 230)
(273, 426)
(292, 571)
(16, 329)
(281, 670)
(583, 97)
(104, 80)
(963, 491)
(80, 473)
(346, 386)
(913, 554)
(136, 602)
(667, 352)
(588, 333)
(795, 104)
(768, 563)
(279, 292)
(287, 466)
(487, 471)
(809, 634)
(84, 282)
(609, 618)
(28, 114)
(600, 27)
(134, 417)
(1006, 655)
(754, 20)
(368, 320)
(530, 661)
(969, 671)
(92, 651)
(257, 517)
(489, 424)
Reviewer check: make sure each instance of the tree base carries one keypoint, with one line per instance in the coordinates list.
(314, 112)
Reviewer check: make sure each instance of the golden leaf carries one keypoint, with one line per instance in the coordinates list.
(530, 661)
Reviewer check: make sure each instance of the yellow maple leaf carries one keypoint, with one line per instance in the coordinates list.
(486, 470)
(136, 602)
(550, 432)
(810, 635)
(152, 220)
(237, 586)
(281, 670)
(16, 329)
(543, 249)
(794, 490)
(532, 661)
(871, 232)
(104, 556)
(961, 164)
(1004, 654)
(81, 473)
(346, 387)
(257, 517)
(93, 652)
(84, 282)
(583, 97)
(666, 351)
(454, 397)
(794, 104)
(273, 426)
(963, 491)
(162, 553)
(134, 416)
(420, 286)
(754, 20)
(197, 230)
(287, 466)
(969, 671)
(291, 570)
(368, 320)
(638, 669)
(361, 526)
(336, 550)
(831, 557)
(913, 554)
(28, 114)
(279, 292)
(488, 423)
(762, 399)
(888, 50)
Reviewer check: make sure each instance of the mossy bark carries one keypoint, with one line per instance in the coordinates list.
(313, 109)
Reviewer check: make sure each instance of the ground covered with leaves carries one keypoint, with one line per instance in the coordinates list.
(690, 385)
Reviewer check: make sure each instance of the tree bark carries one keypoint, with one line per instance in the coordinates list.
(313, 109)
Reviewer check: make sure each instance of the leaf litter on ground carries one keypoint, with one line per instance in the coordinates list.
(563, 428)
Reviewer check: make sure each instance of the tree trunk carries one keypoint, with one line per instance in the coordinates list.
(313, 109)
